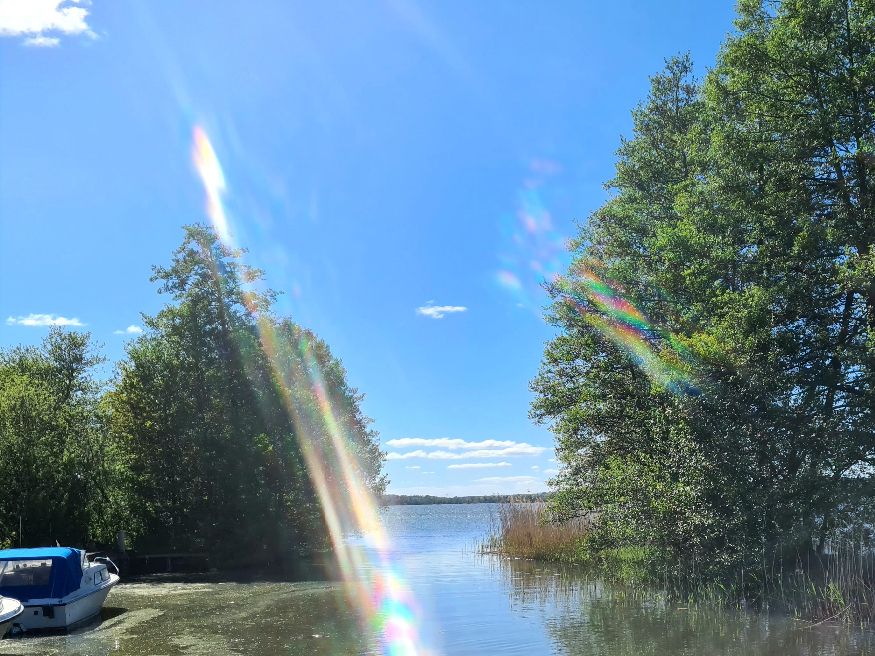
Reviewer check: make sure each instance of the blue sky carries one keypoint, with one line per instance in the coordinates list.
(404, 171)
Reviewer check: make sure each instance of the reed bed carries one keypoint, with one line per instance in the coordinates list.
(524, 531)
(837, 586)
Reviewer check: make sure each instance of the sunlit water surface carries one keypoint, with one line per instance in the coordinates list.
(470, 604)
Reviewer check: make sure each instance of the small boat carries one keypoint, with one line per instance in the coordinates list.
(58, 586)
(9, 610)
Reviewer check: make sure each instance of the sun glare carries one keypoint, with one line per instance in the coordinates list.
(373, 579)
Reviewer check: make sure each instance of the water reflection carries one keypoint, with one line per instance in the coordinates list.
(588, 617)
(480, 605)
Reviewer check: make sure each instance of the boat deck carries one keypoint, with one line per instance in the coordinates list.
(8, 605)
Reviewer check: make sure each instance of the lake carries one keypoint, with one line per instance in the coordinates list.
(470, 604)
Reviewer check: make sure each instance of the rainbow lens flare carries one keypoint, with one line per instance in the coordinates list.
(210, 171)
(373, 580)
(658, 353)
(532, 251)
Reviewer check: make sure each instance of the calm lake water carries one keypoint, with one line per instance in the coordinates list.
(471, 604)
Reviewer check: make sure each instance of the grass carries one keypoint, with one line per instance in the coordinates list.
(838, 586)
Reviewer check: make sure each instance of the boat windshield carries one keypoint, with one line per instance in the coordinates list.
(20, 573)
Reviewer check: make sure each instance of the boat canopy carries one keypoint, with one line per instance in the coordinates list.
(40, 573)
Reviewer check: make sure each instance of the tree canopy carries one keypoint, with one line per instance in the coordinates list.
(61, 472)
(198, 442)
(741, 228)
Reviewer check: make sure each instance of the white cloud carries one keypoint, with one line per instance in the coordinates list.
(439, 311)
(425, 473)
(535, 467)
(130, 330)
(473, 488)
(42, 41)
(412, 467)
(447, 443)
(518, 449)
(508, 479)
(394, 455)
(33, 19)
(478, 465)
(43, 320)
(550, 472)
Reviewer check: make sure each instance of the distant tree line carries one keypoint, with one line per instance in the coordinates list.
(427, 499)
(741, 223)
(197, 443)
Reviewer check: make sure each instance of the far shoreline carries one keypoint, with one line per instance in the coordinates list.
(433, 500)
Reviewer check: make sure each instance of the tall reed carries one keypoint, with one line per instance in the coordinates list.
(835, 586)
(523, 530)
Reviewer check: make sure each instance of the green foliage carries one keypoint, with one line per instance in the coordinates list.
(743, 221)
(199, 443)
(216, 402)
(62, 474)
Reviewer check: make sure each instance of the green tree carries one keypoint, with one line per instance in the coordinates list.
(742, 223)
(792, 101)
(63, 475)
(626, 445)
(216, 404)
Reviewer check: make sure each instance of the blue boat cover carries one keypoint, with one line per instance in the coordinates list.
(64, 575)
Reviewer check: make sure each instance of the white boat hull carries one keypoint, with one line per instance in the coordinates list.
(10, 611)
(47, 614)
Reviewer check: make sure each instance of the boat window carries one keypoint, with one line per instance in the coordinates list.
(14, 573)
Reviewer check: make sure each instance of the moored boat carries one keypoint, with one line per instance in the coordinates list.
(57, 586)
(10, 609)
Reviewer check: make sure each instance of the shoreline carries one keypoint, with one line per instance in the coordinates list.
(839, 588)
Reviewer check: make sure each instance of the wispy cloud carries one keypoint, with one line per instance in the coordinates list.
(42, 41)
(130, 330)
(433, 486)
(536, 467)
(451, 443)
(439, 311)
(518, 449)
(43, 320)
(478, 465)
(412, 467)
(41, 22)
(509, 479)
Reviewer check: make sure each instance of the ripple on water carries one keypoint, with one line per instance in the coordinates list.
(472, 605)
